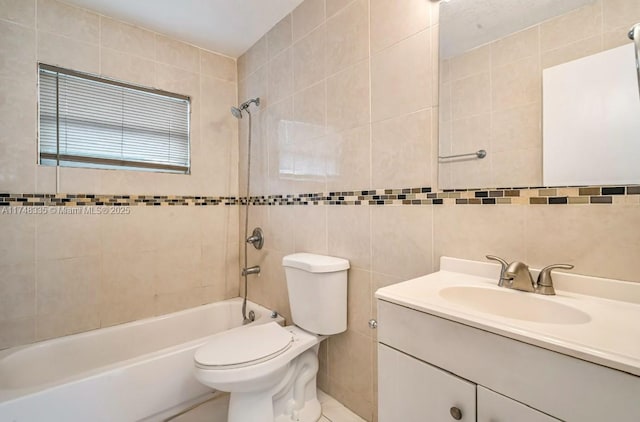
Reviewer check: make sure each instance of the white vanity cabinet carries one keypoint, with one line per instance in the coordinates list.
(429, 364)
(494, 407)
(413, 391)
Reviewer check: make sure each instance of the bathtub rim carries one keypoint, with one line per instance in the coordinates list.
(8, 395)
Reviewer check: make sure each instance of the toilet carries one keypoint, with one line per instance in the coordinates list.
(271, 370)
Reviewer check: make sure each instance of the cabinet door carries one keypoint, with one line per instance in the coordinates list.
(494, 407)
(410, 390)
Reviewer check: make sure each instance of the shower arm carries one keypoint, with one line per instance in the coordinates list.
(634, 34)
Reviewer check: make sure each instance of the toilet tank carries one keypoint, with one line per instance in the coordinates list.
(317, 287)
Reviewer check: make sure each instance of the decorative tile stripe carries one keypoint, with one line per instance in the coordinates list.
(404, 196)
(89, 200)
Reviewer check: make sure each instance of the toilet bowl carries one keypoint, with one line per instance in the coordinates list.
(271, 370)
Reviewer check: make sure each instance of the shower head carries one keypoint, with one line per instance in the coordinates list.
(237, 111)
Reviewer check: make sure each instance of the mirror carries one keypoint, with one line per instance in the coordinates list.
(492, 57)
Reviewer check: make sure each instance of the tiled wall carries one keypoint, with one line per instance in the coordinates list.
(349, 118)
(63, 273)
(491, 96)
(348, 93)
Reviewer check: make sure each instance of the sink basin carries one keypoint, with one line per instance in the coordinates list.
(514, 304)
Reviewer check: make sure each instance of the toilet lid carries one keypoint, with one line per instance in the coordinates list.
(244, 346)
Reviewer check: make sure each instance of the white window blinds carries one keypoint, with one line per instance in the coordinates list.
(86, 121)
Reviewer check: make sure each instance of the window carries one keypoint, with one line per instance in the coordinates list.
(87, 121)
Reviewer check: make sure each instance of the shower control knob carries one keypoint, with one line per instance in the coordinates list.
(455, 413)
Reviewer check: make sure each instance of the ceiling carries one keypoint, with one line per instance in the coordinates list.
(466, 24)
(229, 27)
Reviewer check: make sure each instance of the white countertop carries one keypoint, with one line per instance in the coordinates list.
(610, 338)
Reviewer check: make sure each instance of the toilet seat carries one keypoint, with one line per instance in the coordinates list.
(244, 347)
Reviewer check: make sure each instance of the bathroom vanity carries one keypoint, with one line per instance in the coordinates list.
(454, 346)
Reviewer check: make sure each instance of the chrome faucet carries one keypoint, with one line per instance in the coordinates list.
(517, 276)
(251, 270)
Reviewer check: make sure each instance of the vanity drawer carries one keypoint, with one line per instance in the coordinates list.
(565, 387)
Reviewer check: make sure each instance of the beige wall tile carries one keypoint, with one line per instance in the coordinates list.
(471, 96)
(19, 11)
(350, 370)
(18, 287)
(573, 237)
(393, 21)
(519, 127)
(309, 59)
(310, 112)
(63, 285)
(349, 235)
(253, 59)
(127, 68)
(515, 84)
(470, 63)
(68, 53)
(127, 38)
(279, 37)
(471, 232)
(177, 301)
(573, 26)
(17, 332)
(470, 134)
(348, 98)
(60, 236)
(401, 78)
(70, 321)
(218, 66)
(18, 145)
(17, 51)
(348, 36)
(178, 54)
(126, 310)
(517, 46)
(403, 142)
(307, 17)
(518, 167)
(620, 13)
(359, 301)
(280, 76)
(572, 51)
(310, 229)
(19, 239)
(615, 38)
(398, 240)
(333, 6)
(62, 19)
(278, 230)
(349, 159)
(280, 146)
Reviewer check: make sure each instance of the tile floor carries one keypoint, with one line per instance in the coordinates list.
(216, 411)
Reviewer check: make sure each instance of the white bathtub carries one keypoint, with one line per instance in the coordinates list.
(128, 372)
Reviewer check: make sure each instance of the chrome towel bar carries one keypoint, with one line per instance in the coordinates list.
(480, 154)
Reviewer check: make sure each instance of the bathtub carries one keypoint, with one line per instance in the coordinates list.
(142, 370)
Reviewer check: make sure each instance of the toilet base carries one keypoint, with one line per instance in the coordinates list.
(293, 399)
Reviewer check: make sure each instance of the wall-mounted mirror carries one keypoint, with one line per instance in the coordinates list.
(492, 57)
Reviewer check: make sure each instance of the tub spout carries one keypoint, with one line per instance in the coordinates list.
(251, 270)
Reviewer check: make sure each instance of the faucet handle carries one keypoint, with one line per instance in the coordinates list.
(504, 265)
(545, 282)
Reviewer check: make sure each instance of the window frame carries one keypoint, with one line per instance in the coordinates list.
(110, 164)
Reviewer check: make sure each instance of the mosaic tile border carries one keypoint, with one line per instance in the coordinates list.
(405, 196)
(89, 200)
